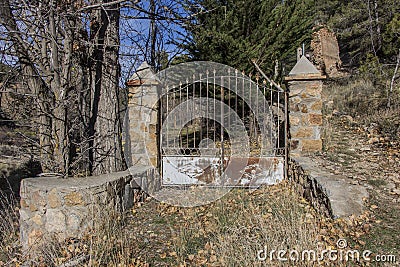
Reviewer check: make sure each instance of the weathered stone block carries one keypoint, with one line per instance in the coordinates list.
(294, 120)
(34, 237)
(74, 199)
(37, 219)
(36, 201)
(53, 199)
(294, 144)
(23, 203)
(55, 221)
(317, 105)
(303, 108)
(315, 119)
(24, 214)
(33, 207)
(303, 132)
(75, 218)
(311, 145)
(314, 89)
(294, 107)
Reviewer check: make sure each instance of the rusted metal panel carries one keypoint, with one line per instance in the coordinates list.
(195, 170)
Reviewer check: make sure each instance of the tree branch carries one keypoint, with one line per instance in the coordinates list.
(393, 79)
(102, 5)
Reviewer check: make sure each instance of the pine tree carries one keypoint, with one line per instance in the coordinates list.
(234, 32)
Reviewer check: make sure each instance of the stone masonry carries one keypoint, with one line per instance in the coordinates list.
(325, 49)
(143, 116)
(57, 208)
(305, 108)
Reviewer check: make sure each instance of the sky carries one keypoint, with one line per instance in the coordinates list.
(135, 32)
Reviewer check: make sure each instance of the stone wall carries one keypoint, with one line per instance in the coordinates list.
(309, 188)
(332, 195)
(60, 208)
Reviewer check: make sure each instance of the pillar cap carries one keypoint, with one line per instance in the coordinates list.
(144, 74)
(304, 70)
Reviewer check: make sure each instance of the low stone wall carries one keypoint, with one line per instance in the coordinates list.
(60, 208)
(331, 195)
(309, 188)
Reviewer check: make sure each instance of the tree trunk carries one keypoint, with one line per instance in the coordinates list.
(105, 123)
(78, 105)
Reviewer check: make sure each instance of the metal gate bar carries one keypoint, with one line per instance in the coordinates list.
(184, 139)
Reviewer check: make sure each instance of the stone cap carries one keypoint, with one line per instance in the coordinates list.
(81, 182)
(304, 70)
(144, 74)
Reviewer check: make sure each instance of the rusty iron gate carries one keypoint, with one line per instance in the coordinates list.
(220, 127)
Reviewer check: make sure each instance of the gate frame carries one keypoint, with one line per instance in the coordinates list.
(283, 119)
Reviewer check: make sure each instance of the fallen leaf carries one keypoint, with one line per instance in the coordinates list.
(191, 257)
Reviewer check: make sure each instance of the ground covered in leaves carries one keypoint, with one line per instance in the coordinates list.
(371, 158)
(232, 230)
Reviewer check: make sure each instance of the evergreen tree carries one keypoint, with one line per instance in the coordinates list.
(234, 32)
(367, 29)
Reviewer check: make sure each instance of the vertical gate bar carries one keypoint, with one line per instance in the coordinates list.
(160, 122)
(257, 111)
(207, 111)
(222, 125)
(286, 134)
(229, 97)
(265, 106)
(243, 80)
(264, 99)
(175, 116)
(187, 111)
(279, 121)
(201, 119)
(251, 118)
(236, 100)
(181, 119)
(167, 130)
(272, 116)
(193, 123)
(214, 130)
(236, 90)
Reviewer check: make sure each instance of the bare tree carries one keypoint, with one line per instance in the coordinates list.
(104, 122)
(67, 54)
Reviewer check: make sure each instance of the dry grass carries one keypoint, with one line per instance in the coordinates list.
(232, 230)
(366, 103)
(108, 244)
(9, 230)
(357, 97)
(228, 232)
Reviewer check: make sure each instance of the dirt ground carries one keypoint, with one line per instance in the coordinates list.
(365, 155)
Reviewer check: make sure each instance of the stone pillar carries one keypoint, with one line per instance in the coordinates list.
(142, 146)
(305, 108)
(143, 110)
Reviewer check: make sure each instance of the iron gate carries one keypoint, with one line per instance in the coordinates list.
(219, 127)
